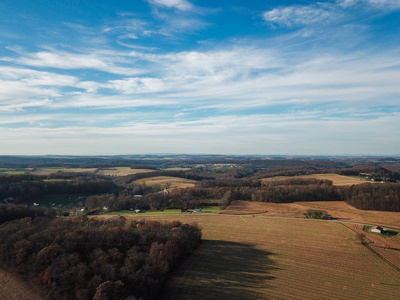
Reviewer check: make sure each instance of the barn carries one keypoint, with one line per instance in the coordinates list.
(377, 229)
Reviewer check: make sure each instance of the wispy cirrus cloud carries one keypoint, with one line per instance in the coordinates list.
(322, 12)
(102, 61)
(300, 15)
(178, 4)
(383, 4)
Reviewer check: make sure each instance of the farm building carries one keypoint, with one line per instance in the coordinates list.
(377, 229)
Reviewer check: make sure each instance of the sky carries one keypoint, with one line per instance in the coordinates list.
(287, 77)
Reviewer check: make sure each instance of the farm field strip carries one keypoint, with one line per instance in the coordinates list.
(167, 181)
(336, 178)
(121, 171)
(48, 171)
(299, 260)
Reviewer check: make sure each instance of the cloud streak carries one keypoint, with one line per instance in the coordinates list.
(178, 4)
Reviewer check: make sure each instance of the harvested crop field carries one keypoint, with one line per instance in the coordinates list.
(167, 181)
(239, 207)
(337, 209)
(121, 171)
(245, 257)
(338, 180)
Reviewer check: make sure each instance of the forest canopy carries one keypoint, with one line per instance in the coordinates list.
(82, 258)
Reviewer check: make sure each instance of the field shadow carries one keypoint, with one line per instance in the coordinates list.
(221, 270)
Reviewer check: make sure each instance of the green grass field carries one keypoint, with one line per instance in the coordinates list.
(204, 210)
(12, 171)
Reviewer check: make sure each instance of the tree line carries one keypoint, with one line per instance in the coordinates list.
(26, 188)
(364, 196)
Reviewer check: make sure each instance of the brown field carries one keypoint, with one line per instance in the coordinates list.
(121, 171)
(337, 179)
(337, 209)
(388, 247)
(245, 257)
(48, 171)
(167, 181)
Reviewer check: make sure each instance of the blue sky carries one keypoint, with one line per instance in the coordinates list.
(179, 76)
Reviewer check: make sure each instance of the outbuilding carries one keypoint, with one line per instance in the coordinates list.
(377, 229)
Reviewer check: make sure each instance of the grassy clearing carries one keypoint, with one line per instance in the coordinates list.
(16, 171)
(268, 258)
(204, 210)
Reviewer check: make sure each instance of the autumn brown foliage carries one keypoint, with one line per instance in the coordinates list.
(81, 258)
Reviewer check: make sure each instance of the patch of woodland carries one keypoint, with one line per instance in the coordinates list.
(27, 188)
(368, 196)
(178, 198)
(12, 212)
(81, 258)
(376, 173)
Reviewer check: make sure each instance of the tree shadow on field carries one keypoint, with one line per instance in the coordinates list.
(221, 270)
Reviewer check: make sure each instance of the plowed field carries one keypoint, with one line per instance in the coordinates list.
(268, 258)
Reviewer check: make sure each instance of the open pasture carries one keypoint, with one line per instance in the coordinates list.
(167, 181)
(245, 257)
(338, 180)
(121, 171)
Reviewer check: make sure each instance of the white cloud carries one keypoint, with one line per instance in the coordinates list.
(320, 12)
(178, 4)
(299, 15)
(384, 4)
(68, 61)
(137, 85)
